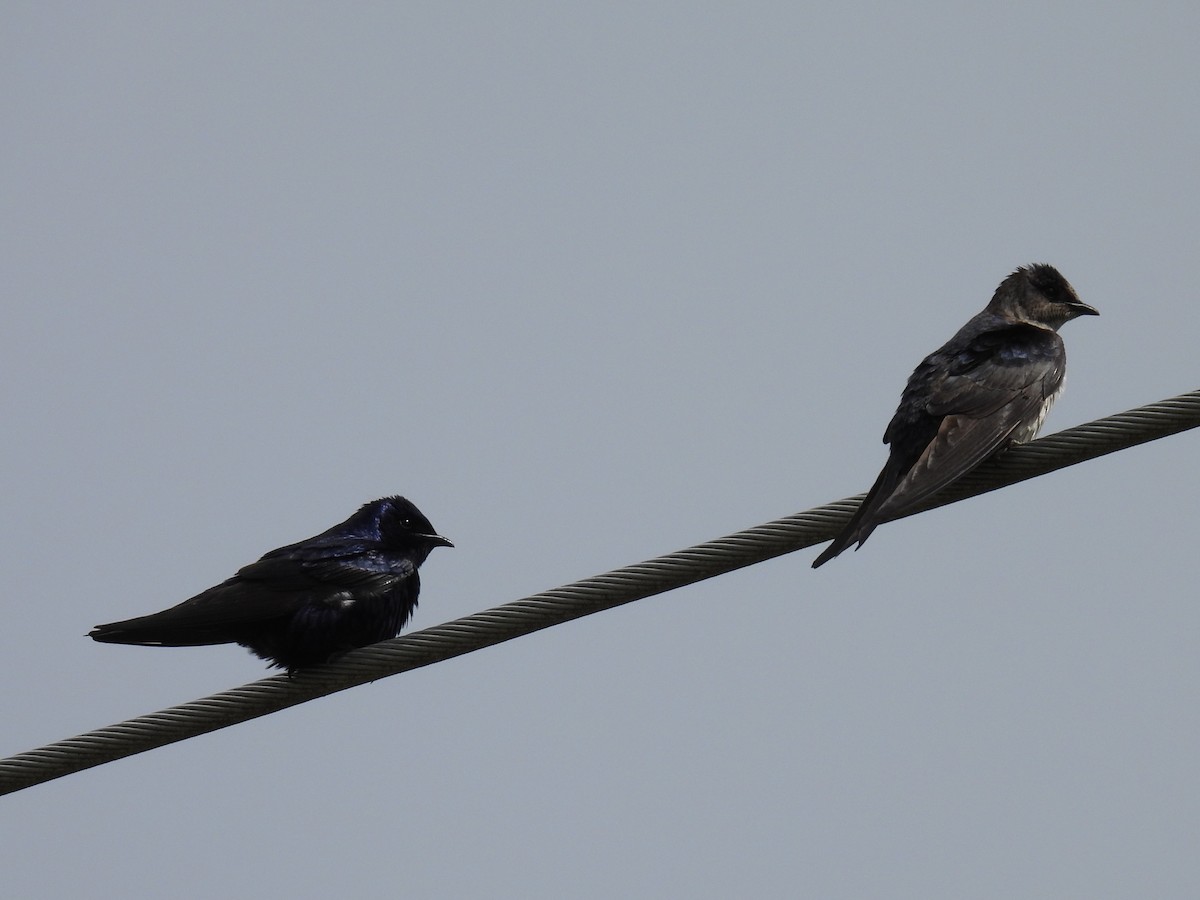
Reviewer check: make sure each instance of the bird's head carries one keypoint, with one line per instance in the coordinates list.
(402, 524)
(1039, 295)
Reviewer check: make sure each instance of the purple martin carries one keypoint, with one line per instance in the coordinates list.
(308, 602)
(987, 388)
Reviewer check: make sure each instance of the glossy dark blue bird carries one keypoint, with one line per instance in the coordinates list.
(308, 602)
(989, 387)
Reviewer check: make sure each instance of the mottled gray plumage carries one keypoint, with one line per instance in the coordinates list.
(990, 386)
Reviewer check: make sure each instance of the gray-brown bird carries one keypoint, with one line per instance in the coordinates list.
(989, 387)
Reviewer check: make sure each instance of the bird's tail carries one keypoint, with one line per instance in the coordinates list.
(853, 532)
(866, 517)
(152, 631)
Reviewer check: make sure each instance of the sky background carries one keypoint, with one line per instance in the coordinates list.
(592, 283)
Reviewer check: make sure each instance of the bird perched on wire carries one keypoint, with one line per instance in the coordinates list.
(308, 602)
(990, 386)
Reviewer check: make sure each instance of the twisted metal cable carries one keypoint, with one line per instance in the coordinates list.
(562, 604)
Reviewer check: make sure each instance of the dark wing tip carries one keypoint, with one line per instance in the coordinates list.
(825, 557)
(106, 634)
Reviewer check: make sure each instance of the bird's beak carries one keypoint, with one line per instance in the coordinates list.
(438, 541)
(1082, 309)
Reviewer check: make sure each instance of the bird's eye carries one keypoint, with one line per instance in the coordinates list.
(406, 523)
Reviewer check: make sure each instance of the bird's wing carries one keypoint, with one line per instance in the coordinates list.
(992, 391)
(270, 589)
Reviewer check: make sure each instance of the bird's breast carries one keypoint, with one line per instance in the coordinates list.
(1027, 431)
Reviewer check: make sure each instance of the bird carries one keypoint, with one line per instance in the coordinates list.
(309, 602)
(987, 388)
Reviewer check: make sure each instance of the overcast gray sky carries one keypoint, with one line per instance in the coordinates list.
(590, 284)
